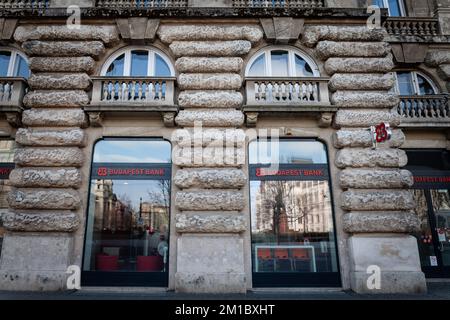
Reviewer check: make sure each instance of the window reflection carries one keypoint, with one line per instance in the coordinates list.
(129, 207)
(139, 63)
(291, 214)
(7, 149)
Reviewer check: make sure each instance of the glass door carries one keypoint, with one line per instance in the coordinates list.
(441, 211)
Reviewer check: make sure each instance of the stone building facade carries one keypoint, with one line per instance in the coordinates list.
(86, 85)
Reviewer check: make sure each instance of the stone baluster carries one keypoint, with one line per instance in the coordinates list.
(378, 208)
(46, 206)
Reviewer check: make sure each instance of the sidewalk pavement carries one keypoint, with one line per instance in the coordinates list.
(436, 291)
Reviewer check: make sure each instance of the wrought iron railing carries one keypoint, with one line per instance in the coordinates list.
(24, 4)
(408, 26)
(424, 109)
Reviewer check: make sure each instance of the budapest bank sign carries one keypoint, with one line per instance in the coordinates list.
(127, 171)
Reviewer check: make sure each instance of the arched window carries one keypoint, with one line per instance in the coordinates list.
(138, 62)
(413, 83)
(396, 8)
(281, 62)
(13, 64)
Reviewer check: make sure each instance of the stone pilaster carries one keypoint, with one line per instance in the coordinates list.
(45, 202)
(210, 201)
(378, 209)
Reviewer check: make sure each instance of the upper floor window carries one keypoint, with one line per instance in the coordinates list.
(281, 62)
(138, 62)
(413, 83)
(396, 8)
(13, 64)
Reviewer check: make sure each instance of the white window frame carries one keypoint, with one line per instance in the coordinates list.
(13, 66)
(415, 82)
(292, 72)
(401, 5)
(127, 61)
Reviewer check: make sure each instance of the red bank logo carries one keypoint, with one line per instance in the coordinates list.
(102, 172)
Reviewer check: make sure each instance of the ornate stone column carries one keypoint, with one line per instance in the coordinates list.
(379, 208)
(45, 204)
(210, 200)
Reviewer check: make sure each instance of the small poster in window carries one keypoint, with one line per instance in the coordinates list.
(323, 247)
(433, 261)
(441, 235)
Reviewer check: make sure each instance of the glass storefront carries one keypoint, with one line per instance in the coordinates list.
(7, 148)
(127, 232)
(293, 238)
(431, 190)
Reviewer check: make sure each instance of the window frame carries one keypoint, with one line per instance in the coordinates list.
(12, 65)
(415, 82)
(127, 51)
(292, 51)
(401, 5)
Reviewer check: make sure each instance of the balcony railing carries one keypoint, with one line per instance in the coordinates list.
(12, 91)
(141, 4)
(278, 3)
(24, 4)
(424, 109)
(132, 91)
(408, 26)
(287, 91)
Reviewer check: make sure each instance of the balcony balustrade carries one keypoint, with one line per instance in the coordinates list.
(432, 110)
(278, 3)
(412, 26)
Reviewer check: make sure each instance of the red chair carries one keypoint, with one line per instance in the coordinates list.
(107, 263)
(283, 262)
(266, 261)
(301, 260)
(149, 263)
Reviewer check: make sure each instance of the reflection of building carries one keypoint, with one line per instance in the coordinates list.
(304, 206)
(154, 216)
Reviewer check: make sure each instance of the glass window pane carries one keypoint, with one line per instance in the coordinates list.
(424, 236)
(280, 63)
(116, 68)
(441, 207)
(21, 68)
(161, 67)
(132, 151)
(394, 8)
(139, 63)
(379, 3)
(291, 214)
(129, 207)
(7, 148)
(405, 84)
(424, 86)
(302, 68)
(5, 57)
(290, 152)
(258, 67)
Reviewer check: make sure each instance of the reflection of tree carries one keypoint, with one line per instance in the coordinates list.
(160, 195)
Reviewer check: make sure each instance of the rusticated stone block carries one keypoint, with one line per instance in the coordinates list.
(58, 199)
(209, 200)
(46, 177)
(49, 157)
(358, 65)
(212, 137)
(56, 99)
(63, 48)
(210, 178)
(210, 118)
(363, 138)
(343, 81)
(210, 99)
(208, 157)
(370, 99)
(107, 34)
(436, 58)
(210, 48)
(444, 71)
(392, 282)
(54, 64)
(41, 137)
(57, 81)
(381, 222)
(374, 200)
(327, 49)
(65, 221)
(359, 157)
(365, 118)
(169, 33)
(209, 81)
(54, 117)
(210, 223)
(314, 34)
(206, 64)
(374, 178)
